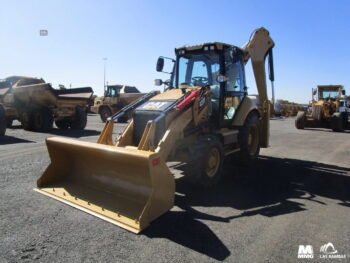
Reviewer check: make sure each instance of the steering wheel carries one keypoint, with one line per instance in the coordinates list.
(200, 81)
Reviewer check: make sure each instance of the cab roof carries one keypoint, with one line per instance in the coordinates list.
(209, 45)
(330, 87)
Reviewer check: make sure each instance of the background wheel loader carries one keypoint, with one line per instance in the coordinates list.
(37, 105)
(327, 109)
(116, 97)
(204, 115)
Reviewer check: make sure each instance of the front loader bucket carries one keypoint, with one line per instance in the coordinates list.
(124, 186)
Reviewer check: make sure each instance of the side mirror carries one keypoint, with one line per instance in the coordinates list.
(343, 92)
(158, 82)
(160, 64)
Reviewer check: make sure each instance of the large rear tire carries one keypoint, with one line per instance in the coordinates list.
(27, 120)
(9, 123)
(337, 122)
(105, 112)
(300, 120)
(80, 119)
(249, 138)
(43, 120)
(2, 121)
(205, 167)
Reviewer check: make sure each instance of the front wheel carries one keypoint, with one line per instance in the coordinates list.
(300, 120)
(205, 166)
(337, 122)
(105, 113)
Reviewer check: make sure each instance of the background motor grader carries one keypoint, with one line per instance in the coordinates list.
(327, 109)
(204, 115)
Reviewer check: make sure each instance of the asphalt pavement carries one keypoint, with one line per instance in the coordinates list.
(297, 193)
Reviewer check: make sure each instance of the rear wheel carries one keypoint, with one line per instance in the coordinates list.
(2, 121)
(205, 166)
(105, 113)
(337, 122)
(43, 120)
(62, 124)
(80, 120)
(249, 138)
(9, 123)
(300, 120)
(27, 120)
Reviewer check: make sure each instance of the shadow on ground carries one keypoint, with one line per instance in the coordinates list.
(347, 130)
(74, 133)
(270, 188)
(12, 140)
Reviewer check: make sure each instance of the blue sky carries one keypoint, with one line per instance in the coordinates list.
(312, 40)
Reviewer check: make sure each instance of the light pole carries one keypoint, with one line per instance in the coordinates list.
(104, 74)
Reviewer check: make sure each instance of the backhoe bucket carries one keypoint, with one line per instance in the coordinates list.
(124, 186)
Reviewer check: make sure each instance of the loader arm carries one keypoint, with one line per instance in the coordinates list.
(257, 48)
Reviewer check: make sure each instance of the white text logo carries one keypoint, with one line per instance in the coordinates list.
(305, 251)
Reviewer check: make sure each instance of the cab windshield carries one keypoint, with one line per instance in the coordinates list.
(329, 94)
(197, 69)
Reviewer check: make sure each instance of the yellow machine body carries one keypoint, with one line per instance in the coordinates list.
(126, 181)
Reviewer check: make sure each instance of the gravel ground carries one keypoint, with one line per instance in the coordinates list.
(297, 193)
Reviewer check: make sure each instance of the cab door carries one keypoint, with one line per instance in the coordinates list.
(234, 88)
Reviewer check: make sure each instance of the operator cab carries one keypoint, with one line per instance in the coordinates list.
(217, 66)
(113, 90)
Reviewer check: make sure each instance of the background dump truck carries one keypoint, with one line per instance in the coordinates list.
(116, 97)
(37, 105)
(2, 121)
(328, 108)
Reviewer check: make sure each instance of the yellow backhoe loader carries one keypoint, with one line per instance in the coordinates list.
(204, 115)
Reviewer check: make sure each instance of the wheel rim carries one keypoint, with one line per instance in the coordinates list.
(253, 139)
(213, 162)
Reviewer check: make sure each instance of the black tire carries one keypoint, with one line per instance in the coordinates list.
(300, 120)
(9, 123)
(2, 121)
(105, 112)
(337, 122)
(62, 124)
(249, 138)
(80, 119)
(345, 120)
(205, 167)
(27, 120)
(43, 120)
